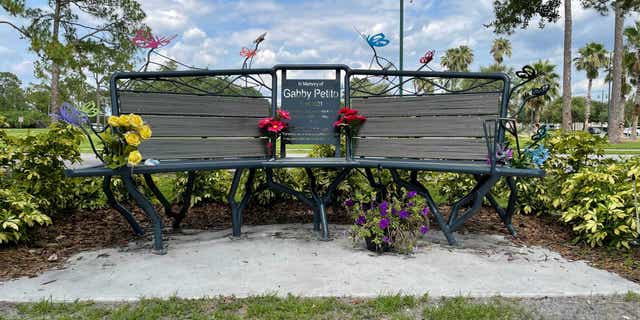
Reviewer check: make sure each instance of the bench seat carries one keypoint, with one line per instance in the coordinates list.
(168, 166)
(470, 167)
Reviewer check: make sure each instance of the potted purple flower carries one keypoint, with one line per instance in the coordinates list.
(393, 224)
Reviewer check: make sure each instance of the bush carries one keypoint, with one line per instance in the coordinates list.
(31, 119)
(18, 211)
(33, 183)
(598, 202)
(568, 154)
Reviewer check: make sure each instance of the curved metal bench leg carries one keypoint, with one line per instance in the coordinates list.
(237, 209)
(168, 209)
(111, 199)
(378, 185)
(316, 201)
(150, 212)
(506, 215)
(421, 190)
(186, 201)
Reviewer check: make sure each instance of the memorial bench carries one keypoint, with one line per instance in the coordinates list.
(200, 130)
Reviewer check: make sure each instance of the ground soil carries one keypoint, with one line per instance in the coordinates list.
(73, 232)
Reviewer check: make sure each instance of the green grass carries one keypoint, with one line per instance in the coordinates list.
(84, 146)
(632, 297)
(272, 307)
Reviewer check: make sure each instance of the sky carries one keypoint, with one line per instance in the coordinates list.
(211, 33)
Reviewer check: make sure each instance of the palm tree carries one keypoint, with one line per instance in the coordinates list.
(547, 75)
(566, 68)
(501, 47)
(457, 59)
(592, 57)
(633, 67)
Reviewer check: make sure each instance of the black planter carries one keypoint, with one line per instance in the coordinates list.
(371, 246)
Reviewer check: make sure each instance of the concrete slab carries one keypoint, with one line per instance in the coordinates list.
(284, 259)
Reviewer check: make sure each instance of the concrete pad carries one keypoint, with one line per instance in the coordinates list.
(284, 259)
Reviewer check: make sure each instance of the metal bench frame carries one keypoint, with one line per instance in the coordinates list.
(486, 175)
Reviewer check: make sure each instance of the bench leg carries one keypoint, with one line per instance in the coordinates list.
(168, 210)
(238, 208)
(317, 201)
(416, 186)
(378, 185)
(506, 215)
(111, 199)
(150, 212)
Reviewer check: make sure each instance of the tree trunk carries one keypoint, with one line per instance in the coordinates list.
(617, 107)
(97, 76)
(566, 69)
(55, 68)
(587, 109)
(636, 111)
(536, 117)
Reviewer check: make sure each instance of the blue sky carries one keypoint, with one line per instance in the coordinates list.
(211, 33)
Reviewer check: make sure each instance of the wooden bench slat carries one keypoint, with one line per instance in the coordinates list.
(198, 148)
(186, 104)
(428, 126)
(181, 126)
(429, 105)
(422, 148)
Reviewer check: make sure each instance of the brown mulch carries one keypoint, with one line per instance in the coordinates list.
(84, 230)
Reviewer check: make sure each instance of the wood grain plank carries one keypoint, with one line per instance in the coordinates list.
(181, 126)
(429, 105)
(186, 104)
(427, 126)
(426, 148)
(190, 148)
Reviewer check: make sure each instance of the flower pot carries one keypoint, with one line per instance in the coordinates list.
(371, 246)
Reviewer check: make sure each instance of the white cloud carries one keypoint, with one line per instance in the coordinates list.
(194, 33)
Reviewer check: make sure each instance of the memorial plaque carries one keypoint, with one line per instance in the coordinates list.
(314, 106)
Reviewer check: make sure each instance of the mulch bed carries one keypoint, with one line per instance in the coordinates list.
(74, 232)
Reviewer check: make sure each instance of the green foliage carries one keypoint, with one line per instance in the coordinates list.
(18, 211)
(31, 118)
(513, 14)
(209, 186)
(397, 221)
(11, 93)
(598, 202)
(450, 185)
(33, 184)
(592, 195)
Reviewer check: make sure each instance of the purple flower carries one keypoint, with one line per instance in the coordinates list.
(386, 239)
(366, 206)
(361, 220)
(384, 206)
(410, 204)
(384, 223)
(424, 229)
(404, 214)
(425, 211)
(411, 194)
(394, 211)
(349, 203)
(71, 115)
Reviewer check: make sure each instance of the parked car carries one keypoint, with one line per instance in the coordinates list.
(627, 131)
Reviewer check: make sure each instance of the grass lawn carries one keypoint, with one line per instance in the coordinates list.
(84, 146)
(271, 307)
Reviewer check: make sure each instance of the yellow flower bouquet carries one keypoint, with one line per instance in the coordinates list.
(122, 138)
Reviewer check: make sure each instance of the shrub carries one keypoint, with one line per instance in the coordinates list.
(598, 201)
(33, 183)
(31, 119)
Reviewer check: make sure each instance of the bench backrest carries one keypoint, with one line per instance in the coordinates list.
(438, 126)
(189, 126)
